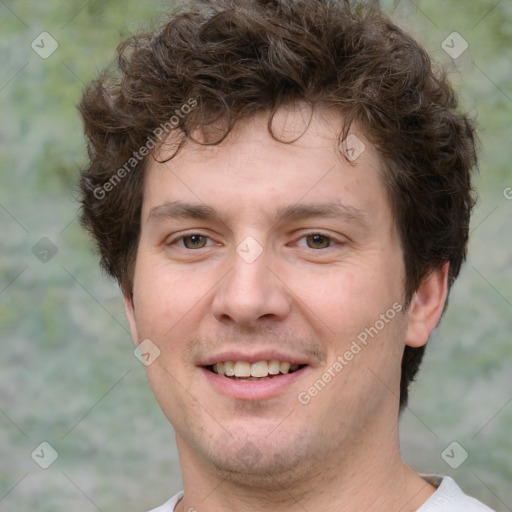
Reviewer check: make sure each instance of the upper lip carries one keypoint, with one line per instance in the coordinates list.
(253, 357)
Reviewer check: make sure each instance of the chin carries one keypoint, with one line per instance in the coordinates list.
(267, 461)
(271, 472)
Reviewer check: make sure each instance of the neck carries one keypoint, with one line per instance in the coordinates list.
(365, 475)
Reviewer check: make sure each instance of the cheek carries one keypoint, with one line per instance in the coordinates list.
(345, 299)
(164, 297)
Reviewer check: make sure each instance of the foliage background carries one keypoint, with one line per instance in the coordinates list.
(68, 375)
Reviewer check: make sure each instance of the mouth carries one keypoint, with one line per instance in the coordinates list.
(256, 375)
(257, 371)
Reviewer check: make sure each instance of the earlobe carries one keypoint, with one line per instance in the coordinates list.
(427, 306)
(130, 315)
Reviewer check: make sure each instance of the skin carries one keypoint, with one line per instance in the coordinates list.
(307, 297)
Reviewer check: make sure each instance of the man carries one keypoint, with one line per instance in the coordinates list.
(282, 190)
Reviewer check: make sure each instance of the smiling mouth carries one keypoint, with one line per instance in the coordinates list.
(258, 371)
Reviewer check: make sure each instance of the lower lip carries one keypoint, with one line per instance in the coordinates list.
(252, 389)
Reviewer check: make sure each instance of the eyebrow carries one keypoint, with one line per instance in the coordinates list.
(181, 210)
(336, 210)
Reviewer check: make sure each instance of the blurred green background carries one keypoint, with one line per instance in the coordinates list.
(68, 375)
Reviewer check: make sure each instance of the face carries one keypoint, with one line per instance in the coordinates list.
(261, 265)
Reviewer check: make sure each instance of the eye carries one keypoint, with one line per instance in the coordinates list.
(317, 241)
(194, 241)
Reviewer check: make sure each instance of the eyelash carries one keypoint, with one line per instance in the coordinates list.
(332, 240)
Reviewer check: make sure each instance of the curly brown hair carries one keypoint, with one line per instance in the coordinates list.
(231, 59)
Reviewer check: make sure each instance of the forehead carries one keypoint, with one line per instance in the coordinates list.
(252, 172)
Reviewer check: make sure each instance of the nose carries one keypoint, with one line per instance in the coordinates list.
(251, 293)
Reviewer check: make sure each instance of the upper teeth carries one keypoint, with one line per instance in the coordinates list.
(258, 369)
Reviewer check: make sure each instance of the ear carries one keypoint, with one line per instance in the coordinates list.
(130, 315)
(427, 306)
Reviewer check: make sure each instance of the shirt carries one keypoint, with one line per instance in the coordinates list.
(447, 498)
